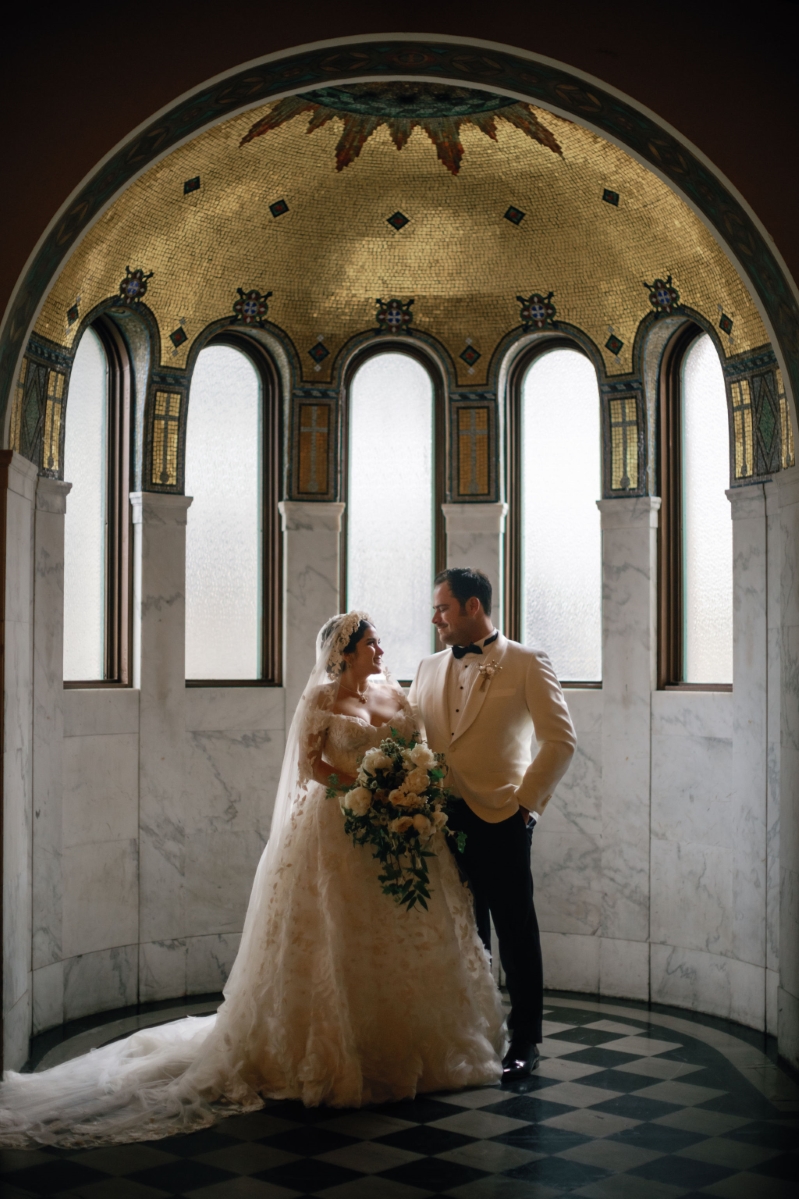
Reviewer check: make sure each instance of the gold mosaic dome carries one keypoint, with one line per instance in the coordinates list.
(464, 204)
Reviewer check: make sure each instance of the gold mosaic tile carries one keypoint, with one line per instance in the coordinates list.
(743, 433)
(786, 429)
(333, 252)
(314, 433)
(473, 447)
(623, 443)
(166, 429)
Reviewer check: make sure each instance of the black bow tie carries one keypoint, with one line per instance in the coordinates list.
(460, 651)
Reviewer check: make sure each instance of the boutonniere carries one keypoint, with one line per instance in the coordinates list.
(488, 670)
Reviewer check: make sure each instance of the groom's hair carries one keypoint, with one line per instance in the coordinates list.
(464, 583)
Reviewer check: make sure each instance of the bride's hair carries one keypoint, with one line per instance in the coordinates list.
(340, 635)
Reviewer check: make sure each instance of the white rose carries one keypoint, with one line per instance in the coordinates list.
(374, 759)
(423, 826)
(401, 824)
(417, 780)
(422, 755)
(440, 819)
(358, 801)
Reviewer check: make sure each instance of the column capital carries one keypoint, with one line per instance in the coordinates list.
(159, 507)
(309, 516)
(630, 511)
(748, 502)
(475, 518)
(51, 495)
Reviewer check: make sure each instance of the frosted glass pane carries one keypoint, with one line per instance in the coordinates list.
(224, 533)
(561, 536)
(390, 509)
(85, 530)
(707, 526)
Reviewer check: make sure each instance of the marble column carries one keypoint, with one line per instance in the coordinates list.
(48, 732)
(312, 585)
(629, 656)
(18, 483)
(159, 606)
(788, 1001)
(475, 535)
(749, 715)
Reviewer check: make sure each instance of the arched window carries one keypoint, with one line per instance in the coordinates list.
(96, 529)
(696, 529)
(232, 548)
(393, 502)
(555, 576)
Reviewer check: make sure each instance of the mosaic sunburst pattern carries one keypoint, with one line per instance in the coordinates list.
(402, 107)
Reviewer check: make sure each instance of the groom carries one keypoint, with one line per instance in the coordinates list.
(480, 702)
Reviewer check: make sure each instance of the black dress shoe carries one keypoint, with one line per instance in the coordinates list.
(520, 1060)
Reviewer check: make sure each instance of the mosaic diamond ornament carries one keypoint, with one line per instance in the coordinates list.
(191, 185)
(178, 336)
(610, 197)
(663, 296)
(398, 220)
(514, 215)
(278, 208)
(725, 324)
(393, 316)
(470, 355)
(251, 307)
(538, 311)
(319, 352)
(134, 286)
(72, 314)
(614, 344)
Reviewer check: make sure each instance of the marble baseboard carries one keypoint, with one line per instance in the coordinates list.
(48, 997)
(188, 966)
(100, 982)
(16, 1033)
(596, 965)
(708, 982)
(788, 1027)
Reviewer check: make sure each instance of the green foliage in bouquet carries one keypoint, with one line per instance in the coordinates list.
(397, 804)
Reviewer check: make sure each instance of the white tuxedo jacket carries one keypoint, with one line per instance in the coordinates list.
(489, 751)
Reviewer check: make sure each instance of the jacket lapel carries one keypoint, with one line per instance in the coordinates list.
(478, 693)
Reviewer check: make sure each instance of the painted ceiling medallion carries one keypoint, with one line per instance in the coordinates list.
(402, 107)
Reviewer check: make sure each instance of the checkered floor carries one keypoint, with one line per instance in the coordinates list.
(620, 1108)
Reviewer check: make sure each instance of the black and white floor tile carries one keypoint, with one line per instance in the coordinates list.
(629, 1102)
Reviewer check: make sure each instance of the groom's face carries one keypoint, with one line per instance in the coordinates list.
(452, 620)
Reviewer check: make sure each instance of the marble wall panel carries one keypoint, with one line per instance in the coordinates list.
(788, 1018)
(100, 982)
(101, 896)
(629, 531)
(773, 701)
(159, 523)
(692, 767)
(95, 711)
(48, 726)
(624, 968)
(235, 709)
(101, 789)
(17, 761)
(692, 896)
(209, 962)
(312, 576)
(707, 982)
(231, 779)
(220, 867)
(474, 539)
(162, 970)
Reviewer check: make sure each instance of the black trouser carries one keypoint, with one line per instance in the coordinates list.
(496, 865)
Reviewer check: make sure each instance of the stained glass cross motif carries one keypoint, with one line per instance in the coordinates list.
(473, 451)
(742, 427)
(166, 428)
(623, 419)
(314, 428)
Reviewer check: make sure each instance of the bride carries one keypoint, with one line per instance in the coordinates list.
(337, 996)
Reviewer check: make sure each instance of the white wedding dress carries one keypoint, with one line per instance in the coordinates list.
(338, 996)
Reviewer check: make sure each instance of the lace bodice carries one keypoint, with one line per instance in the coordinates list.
(348, 737)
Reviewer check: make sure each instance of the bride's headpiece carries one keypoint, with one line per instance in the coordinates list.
(334, 637)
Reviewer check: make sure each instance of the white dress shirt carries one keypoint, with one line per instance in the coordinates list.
(462, 675)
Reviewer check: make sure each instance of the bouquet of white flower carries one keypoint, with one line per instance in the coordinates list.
(396, 804)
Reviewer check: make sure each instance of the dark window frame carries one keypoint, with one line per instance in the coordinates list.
(272, 541)
(513, 487)
(670, 591)
(118, 635)
(436, 376)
